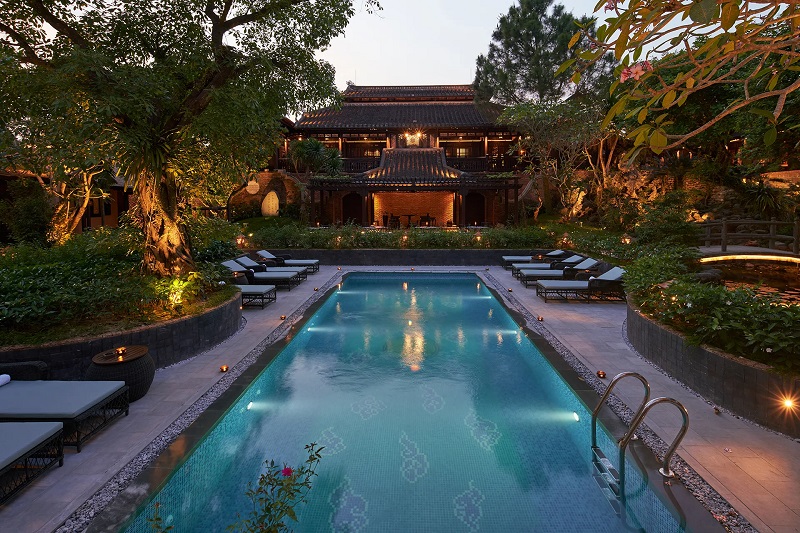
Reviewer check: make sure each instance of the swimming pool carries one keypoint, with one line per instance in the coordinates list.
(436, 412)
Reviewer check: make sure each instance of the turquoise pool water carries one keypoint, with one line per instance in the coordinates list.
(436, 412)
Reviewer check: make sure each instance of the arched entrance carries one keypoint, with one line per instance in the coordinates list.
(475, 209)
(270, 207)
(351, 209)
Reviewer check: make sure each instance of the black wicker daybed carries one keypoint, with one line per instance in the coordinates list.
(84, 407)
(27, 449)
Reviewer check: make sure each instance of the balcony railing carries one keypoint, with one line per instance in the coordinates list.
(468, 164)
(353, 165)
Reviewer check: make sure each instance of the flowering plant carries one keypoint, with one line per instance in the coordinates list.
(274, 497)
(277, 493)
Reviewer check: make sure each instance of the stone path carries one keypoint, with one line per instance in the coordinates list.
(756, 470)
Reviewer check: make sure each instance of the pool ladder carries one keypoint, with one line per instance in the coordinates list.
(611, 480)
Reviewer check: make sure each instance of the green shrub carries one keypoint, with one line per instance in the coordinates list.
(740, 322)
(666, 223)
(357, 237)
(28, 213)
(93, 279)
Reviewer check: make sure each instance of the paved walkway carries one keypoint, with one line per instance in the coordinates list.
(757, 471)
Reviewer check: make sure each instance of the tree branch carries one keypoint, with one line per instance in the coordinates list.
(781, 94)
(59, 25)
(30, 55)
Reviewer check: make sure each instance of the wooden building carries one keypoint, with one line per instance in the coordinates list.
(420, 155)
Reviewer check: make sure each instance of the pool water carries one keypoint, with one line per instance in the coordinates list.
(436, 412)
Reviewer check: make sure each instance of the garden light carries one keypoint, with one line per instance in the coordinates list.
(601, 374)
(223, 368)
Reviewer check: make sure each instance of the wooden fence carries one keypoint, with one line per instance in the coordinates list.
(766, 233)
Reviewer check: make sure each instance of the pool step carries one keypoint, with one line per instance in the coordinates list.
(606, 477)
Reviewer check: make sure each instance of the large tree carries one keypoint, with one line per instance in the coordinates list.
(555, 138)
(177, 88)
(752, 46)
(529, 44)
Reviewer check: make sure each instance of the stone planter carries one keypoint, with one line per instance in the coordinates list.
(742, 386)
(168, 342)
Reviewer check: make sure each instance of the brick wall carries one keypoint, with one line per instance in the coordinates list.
(435, 204)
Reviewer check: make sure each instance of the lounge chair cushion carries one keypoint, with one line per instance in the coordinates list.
(53, 399)
(17, 438)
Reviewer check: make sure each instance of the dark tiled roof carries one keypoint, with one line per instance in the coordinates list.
(420, 164)
(401, 115)
(355, 93)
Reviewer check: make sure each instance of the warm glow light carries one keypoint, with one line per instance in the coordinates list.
(249, 406)
(405, 286)
(788, 403)
(223, 368)
(410, 322)
(338, 268)
(120, 358)
(283, 317)
(601, 374)
(414, 367)
(316, 288)
(540, 318)
(750, 257)
(510, 290)
(576, 417)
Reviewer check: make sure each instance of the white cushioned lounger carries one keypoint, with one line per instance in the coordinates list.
(84, 407)
(27, 449)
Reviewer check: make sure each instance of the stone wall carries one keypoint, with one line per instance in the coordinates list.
(168, 342)
(744, 387)
(369, 257)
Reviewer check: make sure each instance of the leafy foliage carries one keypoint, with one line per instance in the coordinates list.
(738, 321)
(665, 222)
(702, 44)
(93, 279)
(529, 44)
(349, 237)
(27, 213)
(170, 92)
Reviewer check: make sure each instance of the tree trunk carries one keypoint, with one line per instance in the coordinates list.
(167, 251)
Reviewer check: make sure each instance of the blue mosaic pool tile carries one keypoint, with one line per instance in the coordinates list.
(415, 463)
(467, 507)
(483, 431)
(349, 509)
(431, 401)
(331, 442)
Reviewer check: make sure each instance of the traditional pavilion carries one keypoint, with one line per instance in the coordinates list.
(414, 155)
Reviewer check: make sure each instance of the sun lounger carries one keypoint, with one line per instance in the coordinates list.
(279, 278)
(516, 268)
(259, 267)
(257, 294)
(311, 264)
(84, 407)
(507, 260)
(27, 449)
(530, 276)
(607, 286)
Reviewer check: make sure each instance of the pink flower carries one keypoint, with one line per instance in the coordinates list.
(635, 71)
(611, 5)
(287, 472)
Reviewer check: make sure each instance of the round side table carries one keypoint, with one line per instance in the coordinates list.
(131, 364)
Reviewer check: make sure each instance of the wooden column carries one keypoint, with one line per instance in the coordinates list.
(311, 211)
(462, 211)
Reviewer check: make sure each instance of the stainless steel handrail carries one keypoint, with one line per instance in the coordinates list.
(603, 399)
(664, 470)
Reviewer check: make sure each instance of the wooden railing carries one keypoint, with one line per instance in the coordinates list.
(353, 165)
(737, 232)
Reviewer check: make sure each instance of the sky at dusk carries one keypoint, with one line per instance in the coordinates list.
(420, 42)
